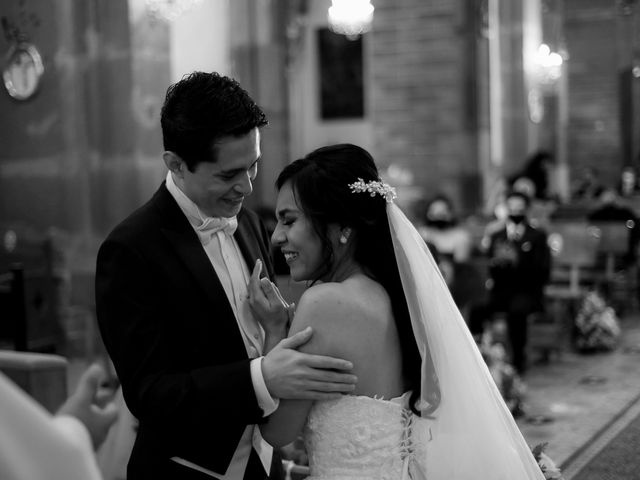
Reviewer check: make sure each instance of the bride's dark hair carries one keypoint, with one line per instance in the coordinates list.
(320, 184)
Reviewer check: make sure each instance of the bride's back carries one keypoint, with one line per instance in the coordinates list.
(353, 319)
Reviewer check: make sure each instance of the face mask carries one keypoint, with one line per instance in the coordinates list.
(517, 219)
(439, 224)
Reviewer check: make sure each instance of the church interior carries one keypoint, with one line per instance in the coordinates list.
(462, 100)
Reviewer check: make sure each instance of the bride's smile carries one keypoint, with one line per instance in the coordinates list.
(289, 256)
(296, 238)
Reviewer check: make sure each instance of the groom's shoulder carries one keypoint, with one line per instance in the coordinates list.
(145, 217)
(137, 227)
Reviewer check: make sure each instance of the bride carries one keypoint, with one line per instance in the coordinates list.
(425, 406)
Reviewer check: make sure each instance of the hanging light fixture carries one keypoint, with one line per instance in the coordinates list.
(169, 10)
(549, 64)
(350, 17)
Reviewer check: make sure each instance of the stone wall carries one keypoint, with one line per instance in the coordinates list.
(425, 105)
(84, 151)
(602, 38)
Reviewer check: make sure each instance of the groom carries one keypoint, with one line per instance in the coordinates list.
(173, 307)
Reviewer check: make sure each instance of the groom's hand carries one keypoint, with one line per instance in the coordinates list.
(290, 374)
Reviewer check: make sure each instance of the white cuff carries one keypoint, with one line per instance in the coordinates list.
(266, 402)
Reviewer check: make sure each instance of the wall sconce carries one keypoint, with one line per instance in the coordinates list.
(169, 10)
(548, 65)
(625, 7)
(350, 17)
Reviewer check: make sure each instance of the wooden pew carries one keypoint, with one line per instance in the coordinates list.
(617, 267)
(574, 246)
(43, 376)
(29, 297)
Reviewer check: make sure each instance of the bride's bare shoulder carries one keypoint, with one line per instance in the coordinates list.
(340, 314)
(327, 299)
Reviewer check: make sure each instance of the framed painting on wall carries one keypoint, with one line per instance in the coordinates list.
(341, 76)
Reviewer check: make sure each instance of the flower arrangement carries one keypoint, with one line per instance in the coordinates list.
(596, 324)
(504, 375)
(548, 467)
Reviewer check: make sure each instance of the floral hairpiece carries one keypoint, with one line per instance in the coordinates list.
(374, 187)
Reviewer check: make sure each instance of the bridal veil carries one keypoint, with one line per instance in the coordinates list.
(472, 433)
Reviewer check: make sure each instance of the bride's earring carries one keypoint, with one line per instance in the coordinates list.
(345, 236)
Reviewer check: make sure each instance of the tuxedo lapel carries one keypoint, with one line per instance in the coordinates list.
(184, 241)
(196, 261)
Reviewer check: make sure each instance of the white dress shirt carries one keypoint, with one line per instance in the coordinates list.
(225, 256)
(515, 231)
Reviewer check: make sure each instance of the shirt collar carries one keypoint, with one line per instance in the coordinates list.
(515, 230)
(189, 208)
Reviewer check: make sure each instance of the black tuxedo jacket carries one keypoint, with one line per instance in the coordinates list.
(529, 274)
(174, 340)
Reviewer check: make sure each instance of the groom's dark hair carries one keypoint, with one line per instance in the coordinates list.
(202, 108)
(320, 184)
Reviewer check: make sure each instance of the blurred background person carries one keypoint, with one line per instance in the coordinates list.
(588, 185)
(539, 210)
(629, 186)
(533, 180)
(453, 246)
(519, 268)
(610, 207)
(538, 168)
(443, 230)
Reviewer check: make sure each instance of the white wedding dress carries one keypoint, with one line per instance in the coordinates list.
(465, 431)
(357, 437)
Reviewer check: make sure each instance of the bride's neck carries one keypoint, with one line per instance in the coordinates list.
(345, 268)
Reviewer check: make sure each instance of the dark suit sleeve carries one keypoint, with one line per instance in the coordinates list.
(537, 265)
(189, 410)
(532, 270)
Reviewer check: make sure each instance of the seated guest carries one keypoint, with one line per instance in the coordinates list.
(538, 169)
(442, 229)
(588, 186)
(454, 244)
(519, 268)
(539, 209)
(629, 182)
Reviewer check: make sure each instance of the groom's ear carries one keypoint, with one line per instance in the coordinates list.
(174, 163)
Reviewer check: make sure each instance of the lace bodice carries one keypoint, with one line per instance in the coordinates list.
(357, 437)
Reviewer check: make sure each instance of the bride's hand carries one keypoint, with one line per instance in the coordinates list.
(268, 305)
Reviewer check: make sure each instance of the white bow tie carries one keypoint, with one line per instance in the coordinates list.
(213, 225)
(515, 232)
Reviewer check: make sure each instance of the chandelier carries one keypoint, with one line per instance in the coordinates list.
(169, 10)
(350, 17)
(548, 65)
